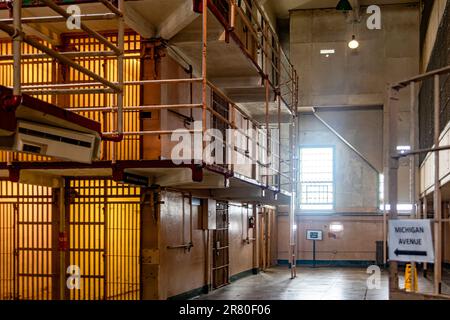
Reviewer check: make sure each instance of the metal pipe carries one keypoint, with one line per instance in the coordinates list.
(419, 151)
(53, 19)
(292, 222)
(233, 14)
(181, 246)
(267, 127)
(140, 108)
(421, 77)
(67, 91)
(85, 28)
(120, 76)
(393, 175)
(204, 65)
(17, 46)
(17, 52)
(348, 144)
(425, 216)
(113, 8)
(164, 81)
(279, 142)
(88, 84)
(191, 221)
(34, 43)
(412, 160)
(437, 206)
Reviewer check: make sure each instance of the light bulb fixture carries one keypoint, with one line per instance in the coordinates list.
(353, 44)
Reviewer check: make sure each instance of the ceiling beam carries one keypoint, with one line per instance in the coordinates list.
(135, 21)
(183, 16)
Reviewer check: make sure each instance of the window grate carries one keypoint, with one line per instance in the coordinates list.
(316, 179)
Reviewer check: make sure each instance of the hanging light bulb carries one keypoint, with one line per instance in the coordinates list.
(353, 44)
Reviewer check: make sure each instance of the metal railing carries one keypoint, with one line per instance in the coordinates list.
(278, 75)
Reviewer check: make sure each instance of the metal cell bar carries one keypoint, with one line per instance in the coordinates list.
(437, 204)
(120, 71)
(147, 133)
(53, 19)
(67, 91)
(204, 66)
(86, 84)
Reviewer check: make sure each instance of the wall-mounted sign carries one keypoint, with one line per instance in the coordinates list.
(135, 179)
(410, 240)
(313, 234)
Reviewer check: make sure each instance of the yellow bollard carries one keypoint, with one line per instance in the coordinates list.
(408, 279)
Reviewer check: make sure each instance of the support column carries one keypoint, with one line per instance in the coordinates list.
(437, 203)
(60, 242)
(393, 165)
(413, 168)
(425, 216)
(150, 245)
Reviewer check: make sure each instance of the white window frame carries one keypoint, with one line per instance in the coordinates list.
(320, 206)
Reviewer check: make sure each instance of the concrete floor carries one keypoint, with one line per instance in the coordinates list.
(311, 284)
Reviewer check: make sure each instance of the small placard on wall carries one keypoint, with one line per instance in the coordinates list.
(313, 234)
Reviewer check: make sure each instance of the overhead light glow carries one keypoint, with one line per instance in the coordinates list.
(336, 227)
(353, 44)
(403, 149)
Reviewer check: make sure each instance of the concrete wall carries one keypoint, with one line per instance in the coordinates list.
(353, 77)
(356, 183)
(357, 242)
(360, 77)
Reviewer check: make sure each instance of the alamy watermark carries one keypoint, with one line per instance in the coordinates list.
(374, 280)
(215, 146)
(74, 277)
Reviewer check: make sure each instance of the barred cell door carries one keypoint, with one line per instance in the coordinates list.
(104, 232)
(26, 255)
(221, 265)
(7, 246)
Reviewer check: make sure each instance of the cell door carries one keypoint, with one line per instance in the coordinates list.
(104, 233)
(221, 261)
(7, 245)
(26, 250)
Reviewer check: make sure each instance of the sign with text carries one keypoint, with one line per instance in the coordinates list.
(135, 179)
(410, 240)
(313, 234)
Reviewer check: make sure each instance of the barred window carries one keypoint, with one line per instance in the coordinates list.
(316, 178)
